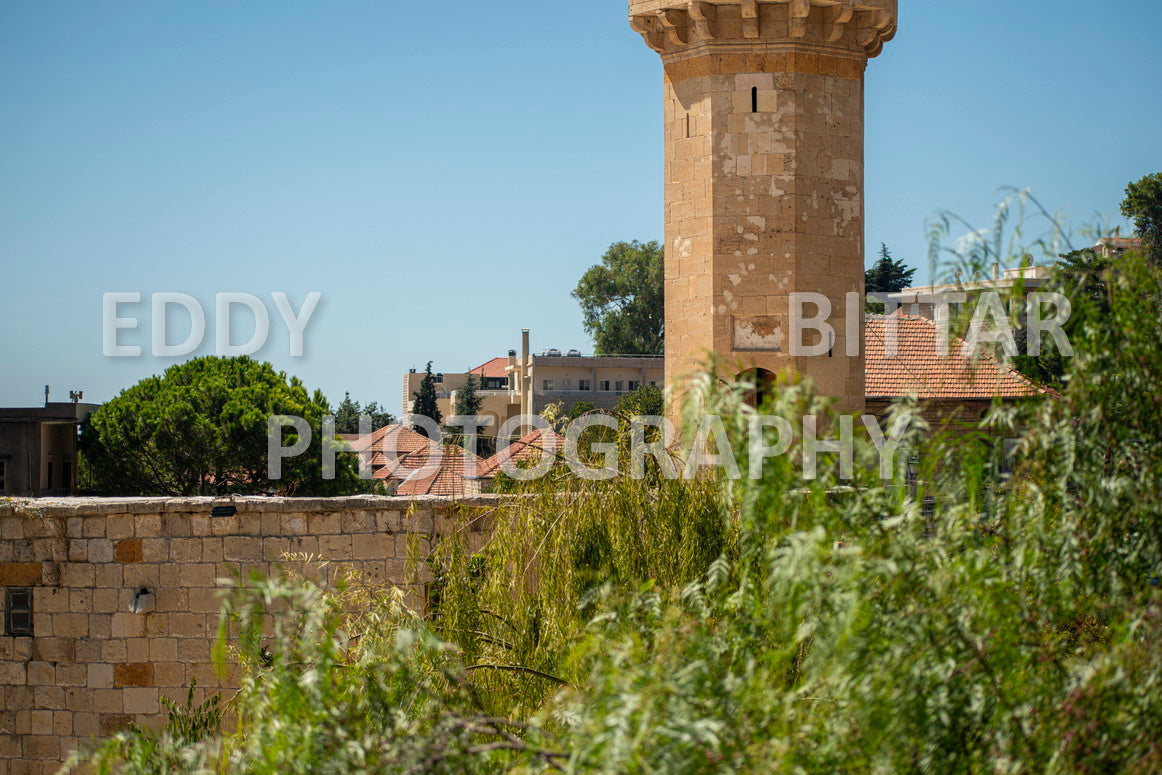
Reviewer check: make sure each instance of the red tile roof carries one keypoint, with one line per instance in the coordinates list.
(495, 368)
(394, 438)
(530, 447)
(399, 454)
(919, 368)
(448, 480)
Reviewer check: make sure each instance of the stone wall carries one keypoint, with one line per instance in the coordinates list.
(91, 666)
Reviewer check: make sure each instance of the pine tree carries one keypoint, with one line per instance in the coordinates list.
(347, 416)
(888, 275)
(425, 400)
(468, 401)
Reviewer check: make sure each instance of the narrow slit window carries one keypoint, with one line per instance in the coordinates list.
(18, 611)
(687, 126)
(754, 99)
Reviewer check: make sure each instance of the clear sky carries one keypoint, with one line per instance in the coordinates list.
(444, 172)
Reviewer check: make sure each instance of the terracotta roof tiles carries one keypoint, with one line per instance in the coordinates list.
(919, 368)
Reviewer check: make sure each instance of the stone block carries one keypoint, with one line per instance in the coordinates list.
(13, 674)
(335, 547)
(86, 724)
(141, 701)
(78, 550)
(20, 574)
(42, 722)
(119, 526)
(51, 601)
(154, 550)
(100, 676)
(128, 550)
(241, 548)
(163, 649)
(109, 700)
(144, 574)
(137, 649)
(127, 625)
(62, 722)
(42, 747)
(71, 675)
(111, 723)
(108, 575)
(54, 649)
(147, 525)
(70, 625)
(224, 526)
(41, 674)
(81, 601)
(114, 651)
(135, 675)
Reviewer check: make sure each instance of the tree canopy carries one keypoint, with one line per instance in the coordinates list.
(1143, 205)
(888, 275)
(201, 429)
(622, 300)
(348, 413)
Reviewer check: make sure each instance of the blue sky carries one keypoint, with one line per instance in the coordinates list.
(444, 173)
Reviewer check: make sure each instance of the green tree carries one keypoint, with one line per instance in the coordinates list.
(622, 299)
(1082, 276)
(201, 429)
(888, 275)
(347, 416)
(349, 412)
(468, 403)
(425, 400)
(645, 401)
(379, 416)
(1143, 205)
(468, 400)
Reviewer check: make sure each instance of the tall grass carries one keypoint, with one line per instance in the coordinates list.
(965, 622)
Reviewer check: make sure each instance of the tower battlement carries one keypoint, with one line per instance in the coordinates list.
(681, 28)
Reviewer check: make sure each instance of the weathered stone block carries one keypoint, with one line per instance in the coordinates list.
(119, 526)
(137, 675)
(100, 676)
(141, 701)
(20, 574)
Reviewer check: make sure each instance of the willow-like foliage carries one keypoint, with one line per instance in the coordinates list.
(960, 620)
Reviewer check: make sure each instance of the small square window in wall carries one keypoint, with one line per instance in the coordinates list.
(18, 611)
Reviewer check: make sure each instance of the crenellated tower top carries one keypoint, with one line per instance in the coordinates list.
(680, 29)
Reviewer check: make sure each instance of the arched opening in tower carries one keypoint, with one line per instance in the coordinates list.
(764, 383)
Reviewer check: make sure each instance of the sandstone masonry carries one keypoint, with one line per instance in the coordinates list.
(764, 177)
(92, 666)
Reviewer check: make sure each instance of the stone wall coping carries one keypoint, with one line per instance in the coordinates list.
(92, 506)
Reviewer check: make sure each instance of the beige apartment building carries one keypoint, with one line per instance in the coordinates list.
(526, 383)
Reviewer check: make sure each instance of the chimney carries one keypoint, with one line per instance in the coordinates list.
(526, 403)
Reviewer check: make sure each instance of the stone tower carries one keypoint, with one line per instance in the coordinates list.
(764, 178)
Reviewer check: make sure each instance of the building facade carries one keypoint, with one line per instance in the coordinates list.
(38, 449)
(525, 383)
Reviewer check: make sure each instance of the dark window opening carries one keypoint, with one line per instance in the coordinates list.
(18, 611)
(3, 478)
(48, 485)
(687, 126)
(754, 99)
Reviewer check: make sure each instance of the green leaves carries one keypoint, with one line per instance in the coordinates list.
(622, 300)
(201, 429)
